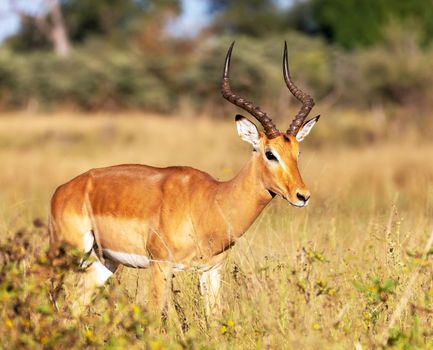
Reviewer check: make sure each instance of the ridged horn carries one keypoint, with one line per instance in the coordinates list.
(306, 100)
(270, 129)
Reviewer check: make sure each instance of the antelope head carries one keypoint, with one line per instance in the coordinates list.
(277, 151)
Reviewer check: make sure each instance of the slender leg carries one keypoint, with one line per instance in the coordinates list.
(160, 287)
(210, 282)
(95, 276)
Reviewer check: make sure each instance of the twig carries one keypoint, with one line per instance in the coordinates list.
(341, 315)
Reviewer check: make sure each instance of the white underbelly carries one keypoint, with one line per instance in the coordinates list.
(142, 261)
(127, 259)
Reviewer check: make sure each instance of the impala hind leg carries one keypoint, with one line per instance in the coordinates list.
(210, 283)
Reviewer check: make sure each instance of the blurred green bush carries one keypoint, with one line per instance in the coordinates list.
(36, 313)
(98, 77)
(396, 72)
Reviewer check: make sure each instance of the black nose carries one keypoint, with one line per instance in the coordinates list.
(301, 197)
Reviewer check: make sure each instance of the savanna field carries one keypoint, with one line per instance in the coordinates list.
(351, 271)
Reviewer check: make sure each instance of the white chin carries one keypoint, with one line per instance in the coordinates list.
(298, 205)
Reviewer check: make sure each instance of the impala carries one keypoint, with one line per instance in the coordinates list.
(180, 218)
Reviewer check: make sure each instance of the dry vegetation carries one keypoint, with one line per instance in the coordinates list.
(326, 277)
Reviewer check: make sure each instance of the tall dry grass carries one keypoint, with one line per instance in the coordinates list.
(328, 276)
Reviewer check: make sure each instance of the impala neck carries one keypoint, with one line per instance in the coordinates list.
(241, 199)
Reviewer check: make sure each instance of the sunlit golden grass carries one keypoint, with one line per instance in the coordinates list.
(328, 276)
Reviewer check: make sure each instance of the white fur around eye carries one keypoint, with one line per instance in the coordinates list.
(248, 131)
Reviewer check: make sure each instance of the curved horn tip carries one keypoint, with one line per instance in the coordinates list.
(229, 52)
(285, 61)
(227, 60)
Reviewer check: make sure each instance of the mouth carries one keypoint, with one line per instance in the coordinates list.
(296, 205)
(273, 194)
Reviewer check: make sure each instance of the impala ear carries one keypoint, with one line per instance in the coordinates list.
(247, 131)
(306, 128)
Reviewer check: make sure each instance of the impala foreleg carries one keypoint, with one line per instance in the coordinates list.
(210, 282)
(95, 275)
(160, 288)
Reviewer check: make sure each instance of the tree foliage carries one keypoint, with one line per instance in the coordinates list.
(110, 20)
(113, 19)
(122, 58)
(353, 23)
(256, 18)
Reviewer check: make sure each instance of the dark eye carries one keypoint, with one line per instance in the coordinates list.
(269, 155)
